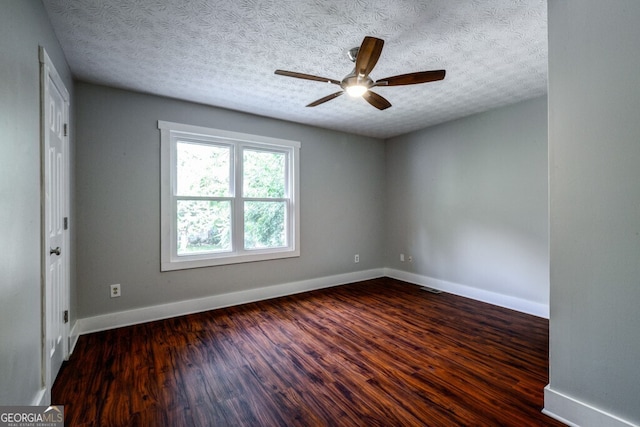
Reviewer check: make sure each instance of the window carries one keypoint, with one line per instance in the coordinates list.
(226, 197)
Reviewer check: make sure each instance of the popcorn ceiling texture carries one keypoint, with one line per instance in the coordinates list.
(224, 52)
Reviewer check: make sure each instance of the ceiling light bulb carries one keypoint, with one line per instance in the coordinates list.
(356, 90)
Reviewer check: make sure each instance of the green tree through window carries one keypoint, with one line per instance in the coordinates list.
(263, 184)
(203, 171)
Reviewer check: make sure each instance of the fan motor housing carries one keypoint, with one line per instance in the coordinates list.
(354, 80)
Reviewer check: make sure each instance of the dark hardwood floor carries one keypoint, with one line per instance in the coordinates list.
(375, 353)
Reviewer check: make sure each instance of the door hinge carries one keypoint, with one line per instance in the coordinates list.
(66, 316)
(65, 129)
(66, 223)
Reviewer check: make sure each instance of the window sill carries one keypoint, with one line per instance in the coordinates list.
(193, 262)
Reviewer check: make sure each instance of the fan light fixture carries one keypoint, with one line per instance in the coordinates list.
(358, 83)
(356, 90)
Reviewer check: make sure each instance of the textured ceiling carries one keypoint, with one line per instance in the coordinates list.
(224, 52)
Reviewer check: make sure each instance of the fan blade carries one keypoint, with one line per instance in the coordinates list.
(368, 55)
(306, 76)
(325, 99)
(376, 100)
(412, 78)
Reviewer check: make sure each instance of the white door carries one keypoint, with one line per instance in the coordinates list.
(55, 111)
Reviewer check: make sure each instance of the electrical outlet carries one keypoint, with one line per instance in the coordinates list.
(356, 258)
(402, 257)
(115, 291)
(410, 258)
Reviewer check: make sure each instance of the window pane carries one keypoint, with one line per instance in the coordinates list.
(202, 170)
(203, 226)
(264, 225)
(263, 174)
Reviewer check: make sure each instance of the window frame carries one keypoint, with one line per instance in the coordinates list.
(170, 134)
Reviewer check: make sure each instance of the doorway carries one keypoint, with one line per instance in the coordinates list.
(55, 222)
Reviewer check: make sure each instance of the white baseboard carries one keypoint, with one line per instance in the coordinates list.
(73, 338)
(40, 398)
(164, 311)
(575, 413)
(501, 300)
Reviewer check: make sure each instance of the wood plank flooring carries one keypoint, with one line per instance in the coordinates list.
(375, 353)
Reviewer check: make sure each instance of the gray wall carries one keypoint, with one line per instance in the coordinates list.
(594, 147)
(468, 200)
(118, 199)
(23, 27)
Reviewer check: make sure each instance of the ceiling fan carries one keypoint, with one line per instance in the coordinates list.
(358, 82)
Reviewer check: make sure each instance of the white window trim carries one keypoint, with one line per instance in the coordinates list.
(169, 261)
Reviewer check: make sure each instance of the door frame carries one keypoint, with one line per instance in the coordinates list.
(48, 73)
